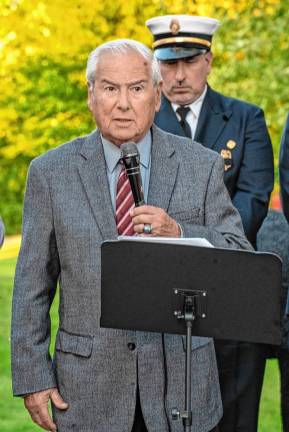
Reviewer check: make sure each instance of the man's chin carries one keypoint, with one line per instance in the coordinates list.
(122, 136)
(183, 99)
(180, 97)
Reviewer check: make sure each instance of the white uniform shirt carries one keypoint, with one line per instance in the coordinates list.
(194, 113)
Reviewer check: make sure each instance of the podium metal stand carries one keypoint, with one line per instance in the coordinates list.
(182, 289)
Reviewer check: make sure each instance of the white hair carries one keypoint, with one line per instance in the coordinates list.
(117, 47)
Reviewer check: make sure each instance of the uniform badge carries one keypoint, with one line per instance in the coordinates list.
(231, 144)
(175, 26)
(227, 156)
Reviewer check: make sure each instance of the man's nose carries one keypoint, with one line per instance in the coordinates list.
(180, 72)
(123, 100)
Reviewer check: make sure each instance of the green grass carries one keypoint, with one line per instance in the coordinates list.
(270, 417)
(13, 416)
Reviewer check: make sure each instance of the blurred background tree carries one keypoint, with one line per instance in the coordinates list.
(43, 52)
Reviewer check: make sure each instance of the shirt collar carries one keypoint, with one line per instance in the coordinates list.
(196, 105)
(112, 152)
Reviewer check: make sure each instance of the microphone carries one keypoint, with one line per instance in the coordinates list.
(130, 158)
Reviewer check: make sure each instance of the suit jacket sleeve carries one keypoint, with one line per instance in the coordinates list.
(222, 222)
(256, 175)
(284, 169)
(34, 289)
(2, 232)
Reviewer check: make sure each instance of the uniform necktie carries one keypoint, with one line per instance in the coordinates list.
(123, 204)
(183, 111)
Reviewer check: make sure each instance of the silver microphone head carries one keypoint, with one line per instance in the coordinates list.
(128, 150)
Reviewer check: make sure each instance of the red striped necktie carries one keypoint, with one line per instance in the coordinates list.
(123, 204)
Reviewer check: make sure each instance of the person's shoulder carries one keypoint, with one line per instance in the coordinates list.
(167, 138)
(59, 155)
(204, 156)
(274, 233)
(185, 148)
(233, 103)
(275, 220)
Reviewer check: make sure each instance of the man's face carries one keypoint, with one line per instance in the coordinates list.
(123, 99)
(184, 80)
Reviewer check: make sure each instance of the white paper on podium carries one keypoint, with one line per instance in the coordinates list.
(193, 241)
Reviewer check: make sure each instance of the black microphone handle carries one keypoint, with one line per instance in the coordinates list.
(131, 160)
(134, 177)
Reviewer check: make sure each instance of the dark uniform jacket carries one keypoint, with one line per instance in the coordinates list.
(237, 130)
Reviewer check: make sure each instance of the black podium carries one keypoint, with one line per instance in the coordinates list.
(183, 289)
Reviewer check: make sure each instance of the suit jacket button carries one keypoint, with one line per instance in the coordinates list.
(131, 346)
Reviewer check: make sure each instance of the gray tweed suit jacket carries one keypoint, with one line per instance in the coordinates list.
(67, 214)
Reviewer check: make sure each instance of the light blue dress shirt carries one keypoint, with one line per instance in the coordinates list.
(113, 166)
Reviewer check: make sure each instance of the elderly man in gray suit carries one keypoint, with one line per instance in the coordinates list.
(104, 380)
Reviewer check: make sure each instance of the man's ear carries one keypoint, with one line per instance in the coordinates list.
(209, 59)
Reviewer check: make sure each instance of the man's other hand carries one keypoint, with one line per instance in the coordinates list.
(161, 224)
(37, 405)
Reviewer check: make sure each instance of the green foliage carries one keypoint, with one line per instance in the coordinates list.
(43, 51)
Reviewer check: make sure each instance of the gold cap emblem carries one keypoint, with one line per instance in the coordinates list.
(175, 26)
(231, 144)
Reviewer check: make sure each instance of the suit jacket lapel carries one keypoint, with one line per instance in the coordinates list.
(213, 118)
(167, 120)
(164, 168)
(92, 171)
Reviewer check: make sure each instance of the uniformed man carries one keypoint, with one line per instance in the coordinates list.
(238, 132)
